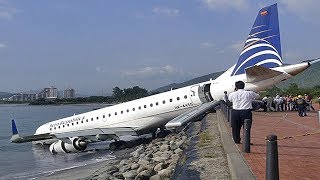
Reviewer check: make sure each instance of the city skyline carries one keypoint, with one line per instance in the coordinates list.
(98, 45)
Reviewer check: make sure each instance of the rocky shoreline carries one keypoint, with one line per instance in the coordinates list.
(156, 160)
(195, 153)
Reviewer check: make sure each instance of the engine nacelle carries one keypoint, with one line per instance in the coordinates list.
(76, 144)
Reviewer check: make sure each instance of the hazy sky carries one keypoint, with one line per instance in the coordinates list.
(95, 45)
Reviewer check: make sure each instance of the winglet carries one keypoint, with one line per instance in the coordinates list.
(14, 128)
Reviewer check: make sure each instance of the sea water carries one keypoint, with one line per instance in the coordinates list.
(25, 160)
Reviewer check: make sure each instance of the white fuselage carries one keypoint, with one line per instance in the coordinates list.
(155, 111)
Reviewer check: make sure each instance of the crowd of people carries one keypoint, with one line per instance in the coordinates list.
(299, 103)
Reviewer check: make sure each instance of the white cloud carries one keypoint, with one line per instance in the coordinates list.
(166, 11)
(207, 45)
(99, 69)
(153, 77)
(237, 46)
(140, 15)
(6, 11)
(225, 4)
(2, 45)
(307, 10)
(151, 71)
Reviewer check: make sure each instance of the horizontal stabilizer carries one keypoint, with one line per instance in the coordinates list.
(16, 138)
(259, 73)
(191, 115)
(22, 139)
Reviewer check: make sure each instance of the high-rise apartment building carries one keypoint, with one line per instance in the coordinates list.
(49, 93)
(69, 93)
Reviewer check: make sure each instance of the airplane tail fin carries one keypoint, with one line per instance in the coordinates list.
(262, 46)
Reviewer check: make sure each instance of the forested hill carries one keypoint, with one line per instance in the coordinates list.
(307, 79)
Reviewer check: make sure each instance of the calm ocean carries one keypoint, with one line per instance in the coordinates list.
(24, 161)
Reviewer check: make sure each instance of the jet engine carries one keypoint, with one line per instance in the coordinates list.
(76, 144)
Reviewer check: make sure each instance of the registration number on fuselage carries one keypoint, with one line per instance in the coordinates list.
(184, 106)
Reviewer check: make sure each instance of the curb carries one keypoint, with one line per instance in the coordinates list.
(238, 167)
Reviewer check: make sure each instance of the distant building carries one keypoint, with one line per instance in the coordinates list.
(21, 97)
(69, 93)
(48, 93)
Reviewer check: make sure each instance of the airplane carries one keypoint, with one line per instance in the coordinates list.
(259, 65)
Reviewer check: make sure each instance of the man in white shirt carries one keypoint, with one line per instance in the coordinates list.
(242, 106)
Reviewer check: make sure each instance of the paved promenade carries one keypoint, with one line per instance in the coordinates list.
(299, 152)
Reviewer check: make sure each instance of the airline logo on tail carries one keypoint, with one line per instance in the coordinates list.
(262, 46)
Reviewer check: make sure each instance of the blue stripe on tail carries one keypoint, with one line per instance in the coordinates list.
(262, 47)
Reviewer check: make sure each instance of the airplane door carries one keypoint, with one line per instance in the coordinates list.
(194, 93)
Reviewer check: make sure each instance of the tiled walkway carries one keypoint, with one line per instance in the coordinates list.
(299, 156)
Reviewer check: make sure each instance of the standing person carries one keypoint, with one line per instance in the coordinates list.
(278, 103)
(319, 101)
(289, 103)
(301, 105)
(242, 106)
(225, 97)
(309, 101)
(269, 103)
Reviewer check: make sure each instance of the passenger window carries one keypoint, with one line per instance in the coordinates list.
(121, 112)
(157, 103)
(145, 106)
(115, 113)
(170, 100)
(50, 129)
(97, 117)
(151, 105)
(91, 119)
(127, 110)
(72, 124)
(63, 126)
(178, 98)
(133, 109)
(81, 122)
(77, 122)
(104, 116)
(55, 128)
(68, 125)
(163, 102)
(185, 96)
(86, 120)
(109, 115)
(139, 107)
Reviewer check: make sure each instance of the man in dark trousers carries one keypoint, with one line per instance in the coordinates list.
(301, 104)
(242, 106)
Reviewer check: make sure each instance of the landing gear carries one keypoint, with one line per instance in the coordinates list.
(160, 133)
(117, 145)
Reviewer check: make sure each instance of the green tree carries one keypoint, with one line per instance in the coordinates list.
(117, 93)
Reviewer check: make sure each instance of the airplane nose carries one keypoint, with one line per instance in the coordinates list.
(296, 68)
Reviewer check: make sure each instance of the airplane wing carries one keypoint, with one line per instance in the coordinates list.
(259, 73)
(191, 115)
(16, 138)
